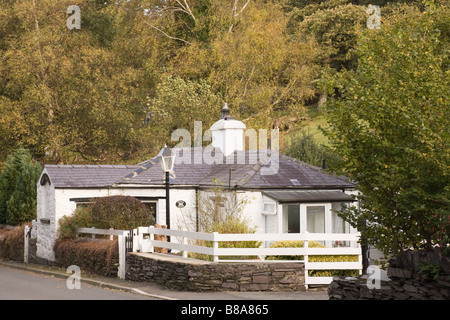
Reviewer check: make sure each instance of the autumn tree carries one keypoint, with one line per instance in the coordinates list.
(74, 95)
(247, 56)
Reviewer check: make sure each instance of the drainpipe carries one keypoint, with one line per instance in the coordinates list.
(196, 208)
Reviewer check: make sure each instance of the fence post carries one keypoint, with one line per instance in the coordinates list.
(305, 258)
(93, 235)
(111, 237)
(25, 248)
(122, 254)
(152, 238)
(360, 256)
(184, 241)
(215, 247)
(135, 240)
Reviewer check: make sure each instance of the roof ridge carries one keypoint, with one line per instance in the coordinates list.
(249, 175)
(142, 166)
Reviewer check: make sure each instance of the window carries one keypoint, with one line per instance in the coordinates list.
(83, 204)
(315, 217)
(47, 201)
(291, 218)
(269, 208)
(339, 225)
(152, 207)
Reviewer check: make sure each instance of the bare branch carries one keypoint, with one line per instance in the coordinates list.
(236, 13)
(245, 5)
(167, 35)
(186, 9)
(248, 80)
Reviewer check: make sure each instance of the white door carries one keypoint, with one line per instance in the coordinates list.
(315, 218)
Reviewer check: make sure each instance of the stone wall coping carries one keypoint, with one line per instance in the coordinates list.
(172, 258)
(178, 259)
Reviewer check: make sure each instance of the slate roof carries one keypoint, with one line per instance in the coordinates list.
(197, 167)
(247, 171)
(86, 176)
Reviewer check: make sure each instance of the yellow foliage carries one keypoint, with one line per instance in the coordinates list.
(316, 258)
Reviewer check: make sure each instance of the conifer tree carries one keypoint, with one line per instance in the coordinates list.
(18, 188)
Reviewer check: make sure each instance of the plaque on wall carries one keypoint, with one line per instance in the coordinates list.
(180, 204)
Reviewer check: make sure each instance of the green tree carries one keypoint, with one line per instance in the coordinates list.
(18, 188)
(389, 123)
(334, 24)
(304, 148)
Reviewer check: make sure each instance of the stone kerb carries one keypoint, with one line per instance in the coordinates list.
(196, 275)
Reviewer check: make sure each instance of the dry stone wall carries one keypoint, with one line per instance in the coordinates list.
(178, 274)
(408, 281)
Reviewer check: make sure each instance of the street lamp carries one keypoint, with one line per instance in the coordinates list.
(166, 160)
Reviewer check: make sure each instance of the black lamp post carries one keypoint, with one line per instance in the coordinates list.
(167, 159)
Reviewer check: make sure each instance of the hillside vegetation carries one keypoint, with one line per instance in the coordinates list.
(115, 89)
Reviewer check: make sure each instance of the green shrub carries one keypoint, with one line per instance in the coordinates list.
(316, 258)
(292, 244)
(18, 188)
(221, 211)
(121, 213)
(233, 225)
(81, 218)
(117, 212)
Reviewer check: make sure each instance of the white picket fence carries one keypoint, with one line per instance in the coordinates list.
(144, 241)
(184, 242)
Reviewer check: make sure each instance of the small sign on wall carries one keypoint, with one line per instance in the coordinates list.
(180, 204)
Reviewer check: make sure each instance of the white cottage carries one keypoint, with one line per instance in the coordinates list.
(284, 195)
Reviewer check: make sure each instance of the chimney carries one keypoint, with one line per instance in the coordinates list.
(228, 133)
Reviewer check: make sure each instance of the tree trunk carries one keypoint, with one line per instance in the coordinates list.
(322, 101)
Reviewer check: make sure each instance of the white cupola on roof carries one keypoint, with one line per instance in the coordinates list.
(228, 133)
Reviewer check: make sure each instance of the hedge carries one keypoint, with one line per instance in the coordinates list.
(12, 243)
(316, 258)
(100, 257)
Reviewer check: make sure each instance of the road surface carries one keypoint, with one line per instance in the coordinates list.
(24, 285)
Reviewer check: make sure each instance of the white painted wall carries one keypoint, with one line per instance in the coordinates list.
(45, 232)
(55, 203)
(253, 210)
